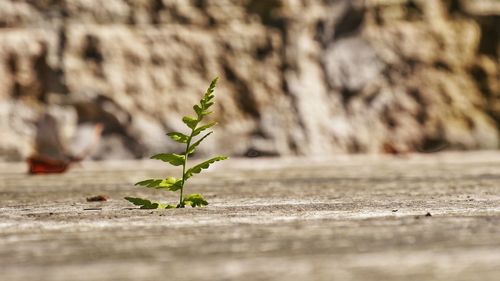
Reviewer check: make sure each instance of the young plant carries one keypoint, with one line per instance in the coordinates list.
(177, 184)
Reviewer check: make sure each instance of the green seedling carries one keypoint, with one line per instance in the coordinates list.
(177, 184)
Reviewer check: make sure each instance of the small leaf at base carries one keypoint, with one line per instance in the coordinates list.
(146, 204)
(194, 200)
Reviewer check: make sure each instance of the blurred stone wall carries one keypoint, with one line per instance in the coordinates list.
(306, 77)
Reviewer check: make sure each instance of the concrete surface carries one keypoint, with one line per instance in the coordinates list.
(345, 218)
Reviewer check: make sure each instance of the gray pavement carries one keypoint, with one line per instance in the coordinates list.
(343, 218)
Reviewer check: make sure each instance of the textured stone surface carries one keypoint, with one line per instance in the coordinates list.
(297, 77)
(343, 218)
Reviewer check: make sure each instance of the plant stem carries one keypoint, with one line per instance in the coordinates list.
(184, 168)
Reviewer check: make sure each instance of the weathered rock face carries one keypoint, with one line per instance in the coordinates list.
(297, 77)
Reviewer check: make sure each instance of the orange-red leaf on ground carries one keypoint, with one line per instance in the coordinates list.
(41, 165)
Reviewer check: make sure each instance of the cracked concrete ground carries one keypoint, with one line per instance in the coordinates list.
(344, 218)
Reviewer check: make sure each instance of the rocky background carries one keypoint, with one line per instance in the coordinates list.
(298, 77)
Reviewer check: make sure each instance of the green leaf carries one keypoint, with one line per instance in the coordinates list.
(204, 165)
(202, 112)
(172, 158)
(205, 101)
(211, 88)
(194, 200)
(191, 122)
(153, 183)
(178, 137)
(192, 147)
(173, 184)
(146, 204)
(170, 183)
(198, 110)
(203, 128)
